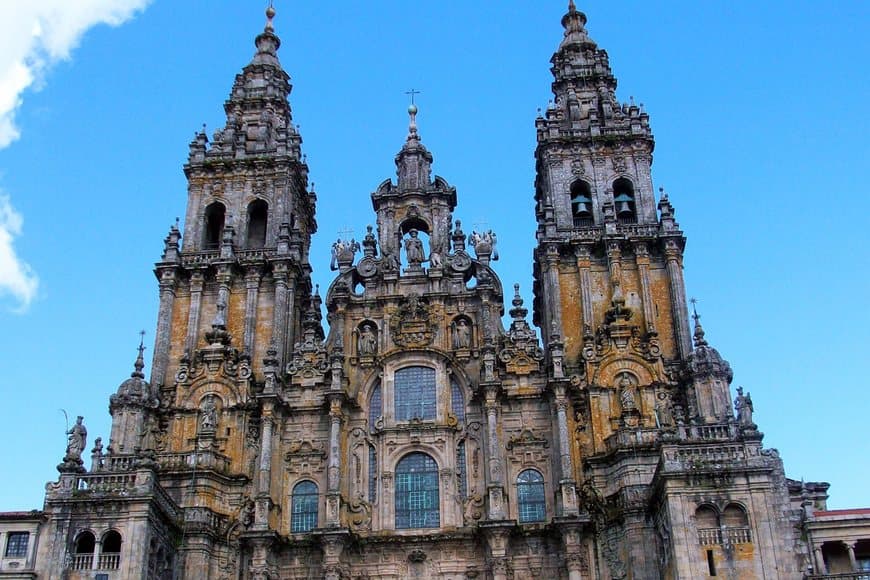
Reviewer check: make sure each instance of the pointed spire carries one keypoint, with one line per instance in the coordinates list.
(414, 161)
(699, 330)
(140, 361)
(518, 312)
(574, 23)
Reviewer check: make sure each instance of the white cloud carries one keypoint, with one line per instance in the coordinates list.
(16, 277)
(35, 34)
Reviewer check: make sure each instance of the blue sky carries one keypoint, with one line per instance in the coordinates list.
(757, 110)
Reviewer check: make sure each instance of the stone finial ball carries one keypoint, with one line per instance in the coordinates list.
(412, 109)
(270, 12)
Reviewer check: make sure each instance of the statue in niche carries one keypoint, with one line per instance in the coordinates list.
(367, 345)
(414, 249)
(78, 437)
(744, 408)
(664, 410)
(208, 415)
(626, 394)
(462, 334)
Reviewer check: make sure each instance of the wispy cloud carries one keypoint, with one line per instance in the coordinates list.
(34, 35)
(17, 279)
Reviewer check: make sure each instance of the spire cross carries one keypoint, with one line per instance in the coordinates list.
(695, 314)
(413, 93)
(141, 341)
(346, 233)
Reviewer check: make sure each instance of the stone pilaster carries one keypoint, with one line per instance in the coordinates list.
(160, 360)
(582, 253)
(680, 311)
(495, 468)
(641, 253)
(252, 289)
(197, 281)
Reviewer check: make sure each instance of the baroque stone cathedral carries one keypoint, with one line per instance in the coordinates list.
(420, 438)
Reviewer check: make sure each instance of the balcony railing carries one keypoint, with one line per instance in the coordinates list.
(842, 576)
(109, 561)
(82, 561)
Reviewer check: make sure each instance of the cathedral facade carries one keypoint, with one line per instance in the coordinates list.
(420, 438)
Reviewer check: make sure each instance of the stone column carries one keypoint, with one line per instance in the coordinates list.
(498, 539)
(279, 321)
(197, 281)
(679, 308)
(252, 286)
(566, 463)
(223, 276)
(291, 319)
(850, 547)
(614, 260)
(333, 470)
(583, 265)
(575, 560)
(496, 488)
(641, 253)
(263, 503)
(551, 278)
(820, 561)
(164, 327)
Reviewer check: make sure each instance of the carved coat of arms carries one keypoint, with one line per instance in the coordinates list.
(412, 324)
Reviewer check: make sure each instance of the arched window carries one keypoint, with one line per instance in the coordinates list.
(376, 406)
(303, 516)
(110, 554)
(215, 214)
(457, 402)
(581, 204)
(707, 522)
(736, 524)
(531, 502)
(417, 500)
(258, 214)
(414, 394)
(83, 559)
(623, 198)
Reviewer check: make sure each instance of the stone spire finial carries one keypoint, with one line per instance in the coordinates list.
(518, 312)
(267, 42)
(270, 14)
(574, 21)
(699, 330)
(140, 361)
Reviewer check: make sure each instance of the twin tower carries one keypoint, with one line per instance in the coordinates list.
(421, 438)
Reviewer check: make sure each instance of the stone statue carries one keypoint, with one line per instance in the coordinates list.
(368, 341)
(664, 410)
(78, 437)
(626, 394)
(343, 252)
(462, 334)
(743, 406)
(414, 249)
(435, 260)
(208, 415)
(390, 263)
(484, 243)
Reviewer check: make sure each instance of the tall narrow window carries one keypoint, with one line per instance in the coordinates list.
(373, 474)
(581, 204)
(623, 198)
(303, 517)
(258, 214)
(215, 214)
(461, 473)
(531, 500)
(376, 406)
(417, 499)
(415, 393)
(711, 563)
(457, 402)
(16, 544)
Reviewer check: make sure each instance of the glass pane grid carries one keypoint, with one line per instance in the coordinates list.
(376, 406)
(532, 505)
(373, 474)
(303, 517)
(417, 496)
(414, 396)
(16, 544)
(457, 402)
(460, 470)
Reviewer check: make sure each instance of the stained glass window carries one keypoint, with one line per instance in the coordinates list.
(415, 393)
(376, 406)
(373, 474)
(461, 474)
(303, 517)
(417, 503)
(530, 496)
(457, 402)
